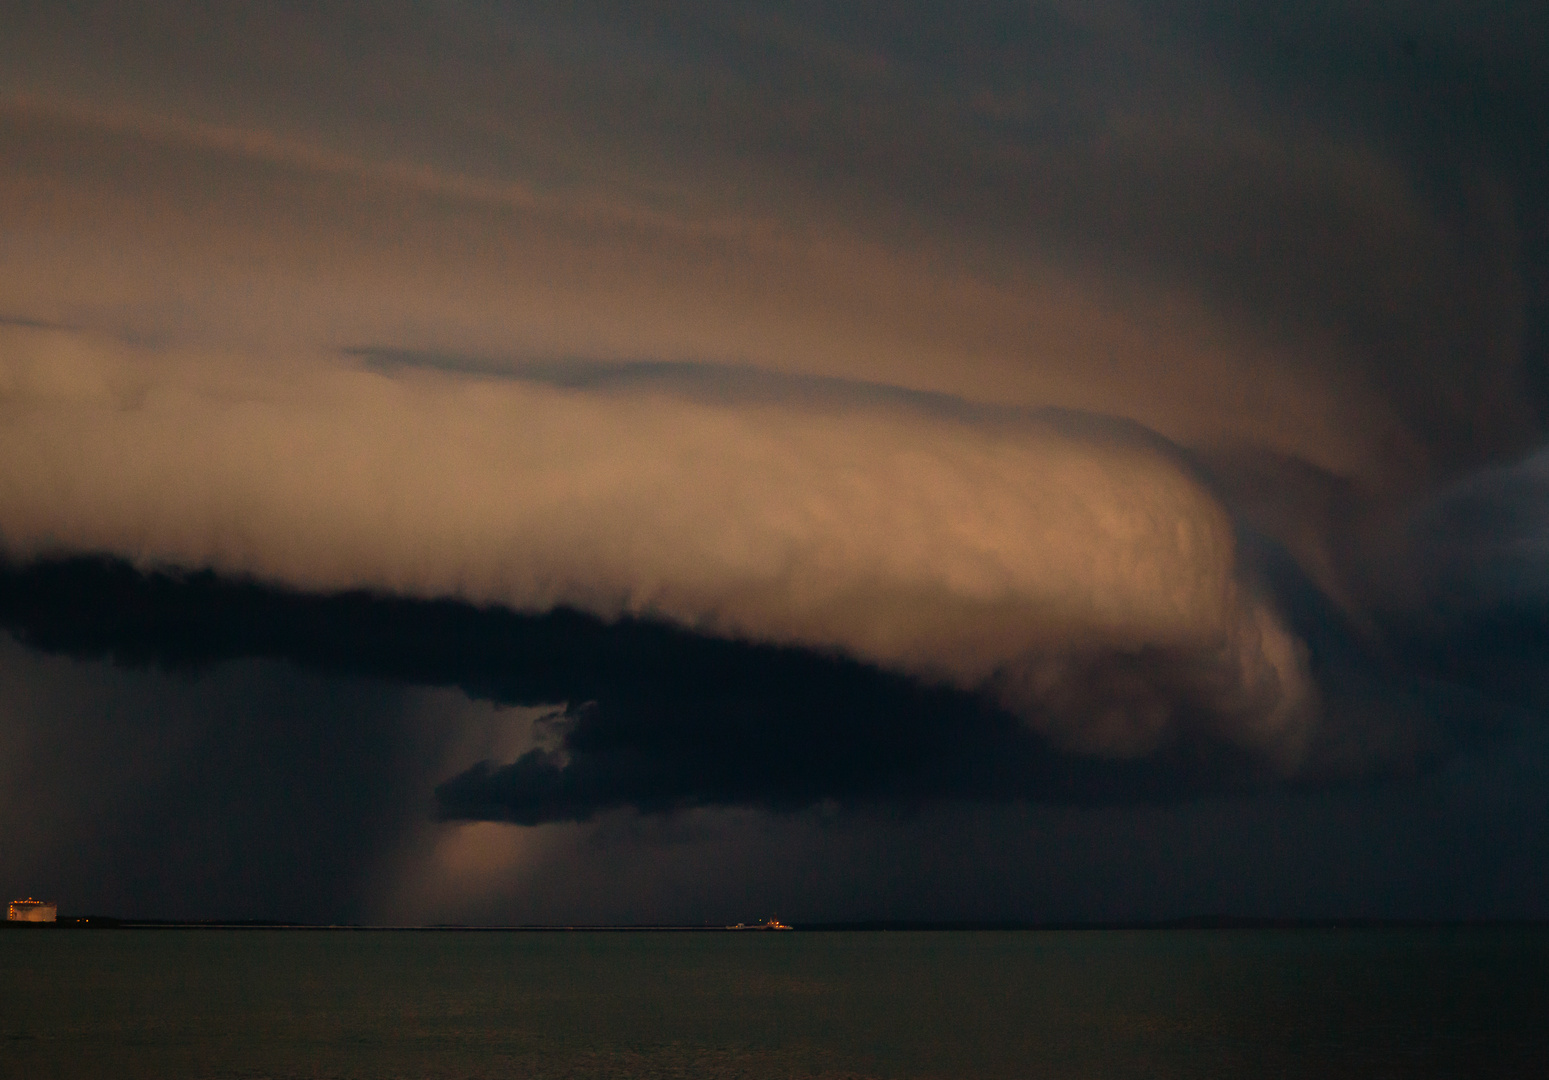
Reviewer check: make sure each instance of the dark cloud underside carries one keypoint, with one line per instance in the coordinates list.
(660, 719)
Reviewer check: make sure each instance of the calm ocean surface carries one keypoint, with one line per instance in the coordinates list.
(304, 1004)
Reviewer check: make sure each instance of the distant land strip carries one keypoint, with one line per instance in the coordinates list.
(1200, 922)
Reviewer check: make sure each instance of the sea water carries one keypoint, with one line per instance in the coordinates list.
(1081, 1004)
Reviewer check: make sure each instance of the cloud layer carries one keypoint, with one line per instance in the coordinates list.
(1049, 395)
(1011, 555)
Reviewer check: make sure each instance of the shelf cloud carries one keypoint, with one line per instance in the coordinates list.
(1008, 553)
(1085, 403)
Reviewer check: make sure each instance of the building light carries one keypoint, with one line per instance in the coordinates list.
(30, 910)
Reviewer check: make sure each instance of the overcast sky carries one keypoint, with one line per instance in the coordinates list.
(630, 462)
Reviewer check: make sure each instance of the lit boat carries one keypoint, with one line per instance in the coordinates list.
(767, 924)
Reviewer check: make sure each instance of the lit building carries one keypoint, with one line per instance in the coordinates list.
(32, 911)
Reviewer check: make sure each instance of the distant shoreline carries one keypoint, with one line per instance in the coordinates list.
(875, 926)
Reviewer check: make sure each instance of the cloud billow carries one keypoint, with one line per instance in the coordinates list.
(1006, 557)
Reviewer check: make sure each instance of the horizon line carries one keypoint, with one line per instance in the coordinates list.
(1197, 922)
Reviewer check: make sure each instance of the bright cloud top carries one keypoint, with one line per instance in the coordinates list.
(1017, 557)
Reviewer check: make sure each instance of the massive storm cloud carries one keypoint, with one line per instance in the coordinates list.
(1087, 403)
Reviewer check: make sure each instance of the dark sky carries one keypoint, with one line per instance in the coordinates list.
(603, 462)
